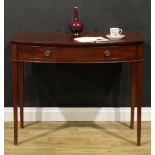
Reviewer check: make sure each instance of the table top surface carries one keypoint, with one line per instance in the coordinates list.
(62, 38)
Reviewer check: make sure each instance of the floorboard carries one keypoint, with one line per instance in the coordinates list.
(77, 138)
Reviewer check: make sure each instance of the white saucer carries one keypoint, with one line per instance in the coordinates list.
(119, 37)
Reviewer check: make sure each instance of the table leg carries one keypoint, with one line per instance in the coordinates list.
(21, 91)
(133, 93)
(15, 99)
(139, 101)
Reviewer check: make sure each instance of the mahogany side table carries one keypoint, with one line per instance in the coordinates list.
(58, 47)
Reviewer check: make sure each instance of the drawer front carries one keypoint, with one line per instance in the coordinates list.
(76, 53)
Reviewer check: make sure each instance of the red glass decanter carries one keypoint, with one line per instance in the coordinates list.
(76, 26)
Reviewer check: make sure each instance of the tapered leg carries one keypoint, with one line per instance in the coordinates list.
(139, 101)
(133, 93)
(15, 99)
(21, 91)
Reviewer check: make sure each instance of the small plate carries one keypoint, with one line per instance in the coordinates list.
(119, 37)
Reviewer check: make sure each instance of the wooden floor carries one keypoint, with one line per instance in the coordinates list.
(77, 138)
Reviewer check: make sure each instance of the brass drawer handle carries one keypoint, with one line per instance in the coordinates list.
(47, 53)
(107, 53)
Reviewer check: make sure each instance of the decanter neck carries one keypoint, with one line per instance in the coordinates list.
(75, 13)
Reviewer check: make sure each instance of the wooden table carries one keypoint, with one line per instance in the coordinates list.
(57, 47)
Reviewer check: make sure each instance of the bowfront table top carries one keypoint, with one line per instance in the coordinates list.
(58, 47)
(60, 38)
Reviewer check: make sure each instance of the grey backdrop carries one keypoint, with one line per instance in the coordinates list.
(77, 85)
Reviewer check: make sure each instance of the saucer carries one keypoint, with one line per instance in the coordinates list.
(119, 37)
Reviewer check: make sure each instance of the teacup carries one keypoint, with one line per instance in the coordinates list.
(114, 32)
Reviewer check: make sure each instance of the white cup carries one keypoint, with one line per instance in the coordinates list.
(114, 32)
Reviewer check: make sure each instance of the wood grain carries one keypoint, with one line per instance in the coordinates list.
(62, 38)
(82, 54)
(77, 138)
